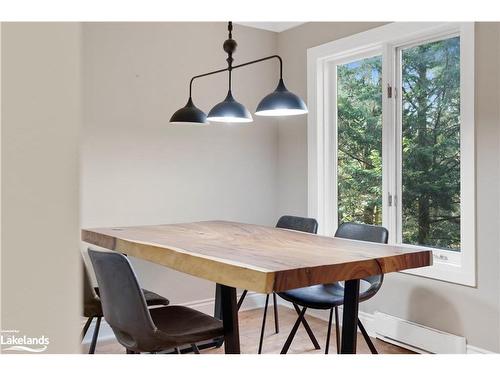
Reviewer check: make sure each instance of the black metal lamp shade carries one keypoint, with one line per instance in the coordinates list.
(281, 102)
(189, 114)
(229, 110)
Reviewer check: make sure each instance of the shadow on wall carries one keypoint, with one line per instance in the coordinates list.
(434, 310)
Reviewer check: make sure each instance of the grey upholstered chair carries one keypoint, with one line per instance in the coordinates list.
(92, 307)
(136, 327)
(331, 296)
(297, 223)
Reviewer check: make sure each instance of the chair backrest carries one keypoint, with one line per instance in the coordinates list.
(362, 232)
(302, 224)
(91, 302)
(123, 303)
(88, 292)
(365, 232)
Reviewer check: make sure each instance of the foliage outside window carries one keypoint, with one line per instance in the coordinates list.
(359, 127)
(431, 144)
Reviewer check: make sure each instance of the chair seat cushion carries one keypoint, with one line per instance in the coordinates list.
(183, 325)
(326, 296)
(92, 308)
(152, 299)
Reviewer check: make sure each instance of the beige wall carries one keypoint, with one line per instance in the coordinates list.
(471, 312)
(137, 169)
(40, 140)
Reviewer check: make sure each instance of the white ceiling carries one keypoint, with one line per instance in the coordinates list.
(271, 26)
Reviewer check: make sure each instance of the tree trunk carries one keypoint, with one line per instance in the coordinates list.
(423, 220)
(369, 214)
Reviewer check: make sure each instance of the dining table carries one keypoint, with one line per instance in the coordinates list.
(261, 259)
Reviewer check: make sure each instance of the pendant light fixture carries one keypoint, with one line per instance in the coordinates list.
(229, 110)
(280, 102)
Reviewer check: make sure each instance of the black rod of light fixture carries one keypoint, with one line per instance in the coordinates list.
(236, 67)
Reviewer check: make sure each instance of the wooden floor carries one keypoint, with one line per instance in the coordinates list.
(250, 324)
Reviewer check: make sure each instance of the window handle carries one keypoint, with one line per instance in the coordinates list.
(391, 200)
(391, 91)
(440, 257)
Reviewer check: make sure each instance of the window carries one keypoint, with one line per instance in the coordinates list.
(391, 139)
(359, 135)
(430, 144)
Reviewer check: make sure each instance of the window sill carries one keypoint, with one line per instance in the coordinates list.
(452, 271)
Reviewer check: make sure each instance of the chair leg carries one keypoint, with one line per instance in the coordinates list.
(276, 322)
(86, 327)
(94, 337)
(195, 349)
(337, 329)
(367, 338)
(329, 332)
(240, 302)
(263, 325)
(293, 332)
(308, 329)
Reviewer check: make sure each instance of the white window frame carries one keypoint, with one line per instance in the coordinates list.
(456, 267)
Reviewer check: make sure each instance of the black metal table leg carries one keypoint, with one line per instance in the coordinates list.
(350, 317)
(218, 312)
(229, 311)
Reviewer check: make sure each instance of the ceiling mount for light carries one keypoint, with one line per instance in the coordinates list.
(280, 102)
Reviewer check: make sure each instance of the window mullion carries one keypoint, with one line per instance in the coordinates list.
(389, 196)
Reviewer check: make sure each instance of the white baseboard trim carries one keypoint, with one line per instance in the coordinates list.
(368, 321)
(257, 300)
(475, 350)
(418, 337)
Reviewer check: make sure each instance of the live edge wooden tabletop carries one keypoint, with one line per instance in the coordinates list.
(254, 257)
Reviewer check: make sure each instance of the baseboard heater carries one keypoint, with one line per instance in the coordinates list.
(417, 337)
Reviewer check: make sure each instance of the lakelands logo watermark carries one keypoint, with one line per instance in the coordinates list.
(13, 340)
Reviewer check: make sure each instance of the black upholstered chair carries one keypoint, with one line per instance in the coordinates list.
(297, 223)
(331, 296)
(136, 327)
(92, 307)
